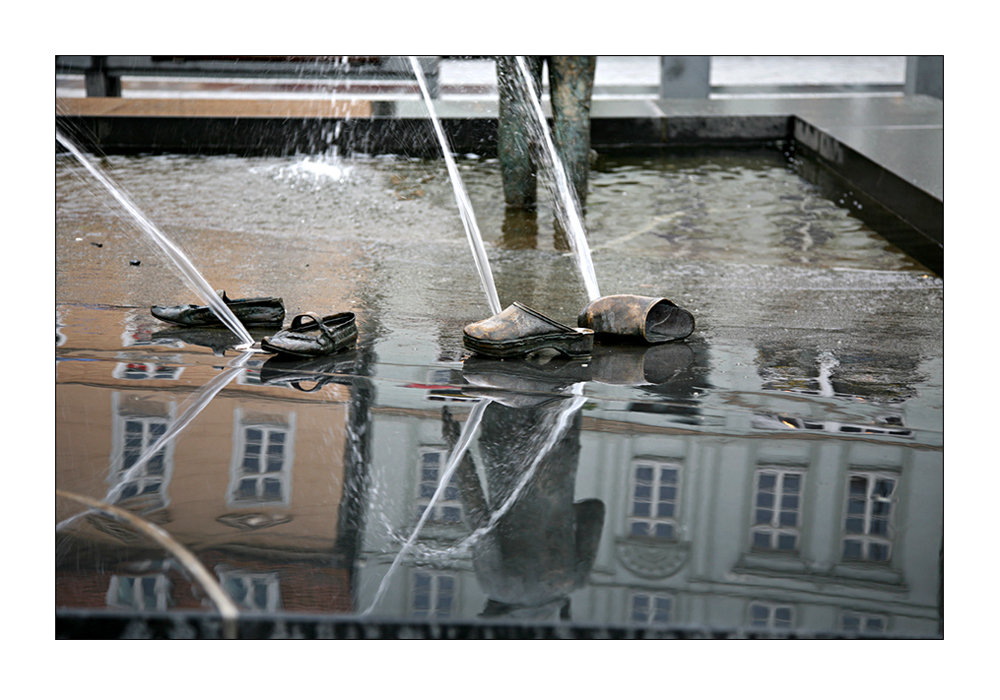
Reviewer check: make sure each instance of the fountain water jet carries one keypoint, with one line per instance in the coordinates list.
(464, 205)
(465, 439)
(567, 204)
(472, 423)
(176, 255)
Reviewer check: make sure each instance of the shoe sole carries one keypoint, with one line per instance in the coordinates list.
(581, 345)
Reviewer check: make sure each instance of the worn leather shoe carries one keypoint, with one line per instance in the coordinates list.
(655, 320)
(518, 331)
(256, 311)
(312, 336)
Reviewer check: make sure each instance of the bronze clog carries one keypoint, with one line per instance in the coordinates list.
(518, 331)
(655, 320)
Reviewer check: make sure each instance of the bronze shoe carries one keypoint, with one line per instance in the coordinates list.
(256, 311)
(312, 336)
(518, 331)
(655, 320)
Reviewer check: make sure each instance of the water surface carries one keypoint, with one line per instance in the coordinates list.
(781, 469)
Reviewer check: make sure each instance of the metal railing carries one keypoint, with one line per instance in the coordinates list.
(689, 77)
(679, 76)
(103, 74)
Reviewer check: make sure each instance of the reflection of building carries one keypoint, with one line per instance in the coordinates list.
(748, 508)
(253, 486)
(749, 527)
(806, 532)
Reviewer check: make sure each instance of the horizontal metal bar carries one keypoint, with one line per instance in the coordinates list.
(388, 67)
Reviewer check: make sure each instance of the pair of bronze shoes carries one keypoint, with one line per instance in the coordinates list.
(308, 336)
(519, 330)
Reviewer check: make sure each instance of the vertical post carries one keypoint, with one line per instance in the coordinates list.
(357, 465)
(514, 142)
(572, 85)
(97, 81)
(685, 76)
(925, 76)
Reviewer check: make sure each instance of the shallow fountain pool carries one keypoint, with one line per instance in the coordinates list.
(778, 472)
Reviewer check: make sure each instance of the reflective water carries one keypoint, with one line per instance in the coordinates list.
(780, 469)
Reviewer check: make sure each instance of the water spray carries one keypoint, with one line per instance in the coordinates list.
(175, 254)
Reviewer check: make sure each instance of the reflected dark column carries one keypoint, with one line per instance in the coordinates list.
(560, 237)
(520, 229)
(533, 544)
(357, 464)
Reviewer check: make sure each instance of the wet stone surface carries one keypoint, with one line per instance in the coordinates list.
(778, 471)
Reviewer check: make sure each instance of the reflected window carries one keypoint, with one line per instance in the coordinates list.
(863, 623)
(261, 471)
(254, 592)
(447, 509)
(651, 608)
(433, 595)
(145, 370)
(777, 509)
(653, 506)
(146, 481)
(150, 592)
(139, 478)
(868, 530)
(770, 615)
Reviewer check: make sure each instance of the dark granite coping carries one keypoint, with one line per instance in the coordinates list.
(102, 624)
